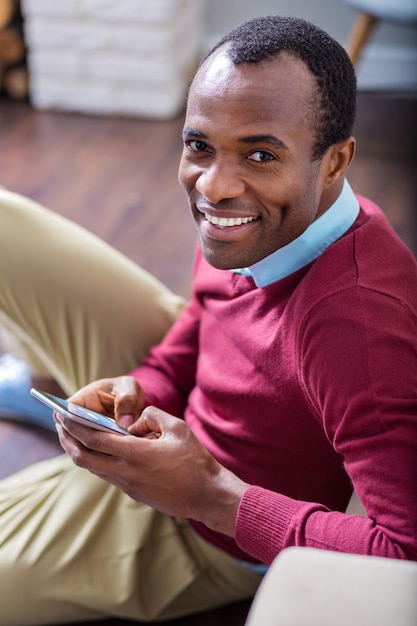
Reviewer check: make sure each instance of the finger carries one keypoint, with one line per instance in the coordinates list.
(129, 399)
(67, 441)
(96, 396)
(152, 423)
(100, 464)
(93, 439)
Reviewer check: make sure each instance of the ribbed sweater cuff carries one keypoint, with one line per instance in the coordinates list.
(263, 525)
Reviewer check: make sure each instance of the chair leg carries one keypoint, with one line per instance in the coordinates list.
(359, 34)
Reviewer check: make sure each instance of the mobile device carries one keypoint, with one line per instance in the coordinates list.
(78, 413)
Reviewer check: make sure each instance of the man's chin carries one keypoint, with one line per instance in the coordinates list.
(221, 261)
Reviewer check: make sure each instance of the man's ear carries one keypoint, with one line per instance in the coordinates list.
(337, 160)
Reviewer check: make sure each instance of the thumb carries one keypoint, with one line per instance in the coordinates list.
(152, 423)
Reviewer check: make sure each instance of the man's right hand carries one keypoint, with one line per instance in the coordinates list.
(121, 398)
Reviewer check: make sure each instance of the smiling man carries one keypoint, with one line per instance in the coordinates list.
(287, 381)
(251, 167)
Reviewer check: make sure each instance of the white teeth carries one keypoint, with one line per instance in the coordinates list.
(224, 222)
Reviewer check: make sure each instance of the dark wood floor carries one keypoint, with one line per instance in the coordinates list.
(118, 178)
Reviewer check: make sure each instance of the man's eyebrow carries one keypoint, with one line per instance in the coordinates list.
(252, 139)
(191, 132)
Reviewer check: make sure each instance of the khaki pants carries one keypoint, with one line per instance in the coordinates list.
(70, 305)
(73, 547)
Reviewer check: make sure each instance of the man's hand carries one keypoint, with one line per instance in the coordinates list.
(121, 398)
(163, 465)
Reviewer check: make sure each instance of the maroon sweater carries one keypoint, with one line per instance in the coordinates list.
(303, 388)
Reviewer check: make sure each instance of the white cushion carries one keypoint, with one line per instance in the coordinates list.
(311, 587)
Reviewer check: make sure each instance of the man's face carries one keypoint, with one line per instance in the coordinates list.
(246, 165)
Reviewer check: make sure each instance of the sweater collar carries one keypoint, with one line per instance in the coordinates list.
(324, 231)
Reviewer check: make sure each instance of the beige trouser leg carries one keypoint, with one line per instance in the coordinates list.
(70, 305)
(73, 547)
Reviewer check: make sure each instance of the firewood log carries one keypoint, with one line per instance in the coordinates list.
(12, 46)
(16, 82)
(8, 9)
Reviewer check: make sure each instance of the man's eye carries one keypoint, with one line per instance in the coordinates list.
(260, 156)
(196, 145)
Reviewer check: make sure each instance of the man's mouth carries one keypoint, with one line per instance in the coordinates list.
(228, 222)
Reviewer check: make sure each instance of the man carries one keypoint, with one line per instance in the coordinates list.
(287, 380)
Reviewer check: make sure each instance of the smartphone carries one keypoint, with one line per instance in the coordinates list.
(79, 413)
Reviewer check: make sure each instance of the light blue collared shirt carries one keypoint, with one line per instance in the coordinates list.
(321, 233)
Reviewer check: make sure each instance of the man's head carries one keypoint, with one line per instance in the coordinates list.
(265, 37)
(266, 137)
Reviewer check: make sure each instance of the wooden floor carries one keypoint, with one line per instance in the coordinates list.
(118, 178)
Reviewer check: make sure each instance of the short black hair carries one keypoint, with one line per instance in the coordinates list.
(265, 37)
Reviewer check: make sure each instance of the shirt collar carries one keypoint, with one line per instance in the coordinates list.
(324, 231)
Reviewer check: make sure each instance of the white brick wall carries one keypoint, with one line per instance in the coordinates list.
(131, 57)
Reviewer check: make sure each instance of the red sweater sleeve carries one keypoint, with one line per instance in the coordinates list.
(167, 374)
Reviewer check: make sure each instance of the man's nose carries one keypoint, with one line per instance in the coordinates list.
(220, 181)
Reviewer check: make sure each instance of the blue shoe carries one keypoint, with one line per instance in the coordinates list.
(16, 403)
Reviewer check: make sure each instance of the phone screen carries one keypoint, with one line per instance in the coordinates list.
(78, 413)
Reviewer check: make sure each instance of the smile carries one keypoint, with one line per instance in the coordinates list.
(227, 222)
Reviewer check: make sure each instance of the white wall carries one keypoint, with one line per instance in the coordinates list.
(389, 61)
